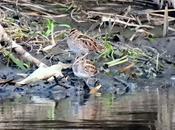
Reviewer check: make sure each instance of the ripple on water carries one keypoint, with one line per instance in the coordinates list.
(145, 110)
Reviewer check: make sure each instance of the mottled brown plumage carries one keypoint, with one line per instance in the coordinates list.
(82, 44)
(84, 68)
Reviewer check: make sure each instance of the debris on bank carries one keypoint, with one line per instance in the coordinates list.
(46, 42)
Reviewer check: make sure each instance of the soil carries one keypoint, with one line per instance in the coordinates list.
(74, 86)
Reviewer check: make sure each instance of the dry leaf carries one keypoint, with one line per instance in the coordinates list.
(94, 91)
(127, 69)
(44, 73)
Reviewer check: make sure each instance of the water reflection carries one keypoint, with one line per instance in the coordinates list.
(146, 110)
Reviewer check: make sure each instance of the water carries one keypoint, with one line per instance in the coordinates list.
(146, 110)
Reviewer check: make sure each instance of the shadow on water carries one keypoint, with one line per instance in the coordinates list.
(146, 110)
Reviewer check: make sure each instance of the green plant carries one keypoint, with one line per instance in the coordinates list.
(50, 27)
(20, 64)
(109, 51)
(121, 60)
(64, 25)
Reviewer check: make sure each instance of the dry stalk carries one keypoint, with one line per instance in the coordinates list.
(166, 23)
(110, 15)
(104, 18)
(72, 16)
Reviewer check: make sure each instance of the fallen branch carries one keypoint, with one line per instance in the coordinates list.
(12, 45)
(162, 16)
(161, 11)
(104, 18)
(110, 14)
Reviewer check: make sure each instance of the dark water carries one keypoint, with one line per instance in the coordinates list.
(146, 110)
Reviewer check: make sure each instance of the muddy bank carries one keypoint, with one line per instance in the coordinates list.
(152, 57)
(74, 86)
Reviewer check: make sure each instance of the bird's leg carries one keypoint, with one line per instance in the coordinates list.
(56, 80)
(93, 89)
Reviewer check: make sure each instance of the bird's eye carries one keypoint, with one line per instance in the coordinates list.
(73, 30)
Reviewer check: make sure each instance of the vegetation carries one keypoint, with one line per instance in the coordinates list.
(35, 34)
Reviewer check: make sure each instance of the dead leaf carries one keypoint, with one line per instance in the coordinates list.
(127, 69)
(44, 73)
(94, 91)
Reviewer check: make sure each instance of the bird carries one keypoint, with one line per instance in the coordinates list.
(81, 44)
(84, 68)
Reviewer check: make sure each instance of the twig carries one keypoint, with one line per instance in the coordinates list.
(157, 62)
(162, 16)
(139, 32)
(4, 7)
(171, 29)
(35, 7)
(110, 14)
(127, 11)
(72, 16)
(165, 26)
(161, 11)
(125, 23)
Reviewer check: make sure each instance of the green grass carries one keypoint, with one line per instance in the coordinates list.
(20, 64)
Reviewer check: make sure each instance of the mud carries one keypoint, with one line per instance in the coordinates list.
(74, 86)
